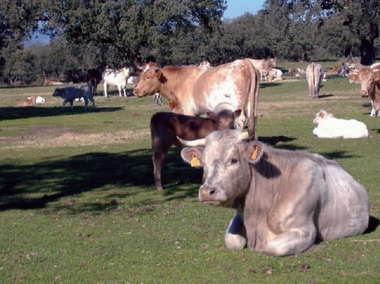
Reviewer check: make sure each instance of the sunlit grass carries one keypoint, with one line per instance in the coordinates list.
(78, 202)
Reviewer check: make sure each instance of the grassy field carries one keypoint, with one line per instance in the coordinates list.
(78, 202)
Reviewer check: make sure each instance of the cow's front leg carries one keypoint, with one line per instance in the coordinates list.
(235, 236)
(63, 104)
(105, 89)
(71, 105)
(85, 103)
(283, 239)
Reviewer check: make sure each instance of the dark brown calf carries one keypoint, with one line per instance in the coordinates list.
(94, 76)
(166, 126)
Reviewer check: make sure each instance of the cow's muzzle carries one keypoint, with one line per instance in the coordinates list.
(135, 92)
(207, 195)
(364, 93)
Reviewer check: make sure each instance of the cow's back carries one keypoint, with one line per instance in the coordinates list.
(183, 126)
(345, 205)
(235, 84)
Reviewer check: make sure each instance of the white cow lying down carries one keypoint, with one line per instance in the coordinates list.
(69, 94)
(39, 100)
(327, 126)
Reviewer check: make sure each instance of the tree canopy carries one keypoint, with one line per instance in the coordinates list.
(122, 29)
(87, 33)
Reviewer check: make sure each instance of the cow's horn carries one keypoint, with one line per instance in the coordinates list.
(243, 136)
(193, 143)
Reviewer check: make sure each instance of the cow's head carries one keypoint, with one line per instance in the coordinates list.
(225, 119)
(367, 77)
(272, 62)
(57, 93)
(225, 157)
(125, 71)
(149, 82)
(322, 114)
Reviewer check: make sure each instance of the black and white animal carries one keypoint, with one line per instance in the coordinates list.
(116, 78)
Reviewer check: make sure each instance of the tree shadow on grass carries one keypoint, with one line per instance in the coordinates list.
(337, 155)
(274, 140)
(34, 186)
(9, 113)
(268, 85)
(325, 96)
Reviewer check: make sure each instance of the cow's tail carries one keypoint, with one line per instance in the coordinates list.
(253, 100)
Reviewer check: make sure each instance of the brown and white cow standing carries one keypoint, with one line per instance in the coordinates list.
(191, 90)
(369, 79)
(314, 77)
(285, 200)
(166, 126)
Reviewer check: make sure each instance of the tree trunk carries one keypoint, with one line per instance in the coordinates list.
(367, 52)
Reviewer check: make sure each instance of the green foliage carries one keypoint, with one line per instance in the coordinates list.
(362, 18)
(78, 202)
(121, 29)
(88, 34)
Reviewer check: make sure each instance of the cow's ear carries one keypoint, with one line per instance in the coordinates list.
(321, 114)
(212, 115)
(377, 75)
(254, 151)
(354, 78)
(192, 155)
(158, 73)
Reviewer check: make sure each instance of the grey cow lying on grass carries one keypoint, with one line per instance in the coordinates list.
(286, 201)
(69, 94)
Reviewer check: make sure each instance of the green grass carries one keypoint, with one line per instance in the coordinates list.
(78, 202)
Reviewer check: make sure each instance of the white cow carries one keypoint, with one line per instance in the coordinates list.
(69, 94)
(275, 75)
(131, 80)
(327, 126)
(116, 78)
(39, 99)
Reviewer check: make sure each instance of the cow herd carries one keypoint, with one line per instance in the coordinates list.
(285, 201)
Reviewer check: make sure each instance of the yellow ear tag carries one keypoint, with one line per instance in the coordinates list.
(195, 162)
(255, 152)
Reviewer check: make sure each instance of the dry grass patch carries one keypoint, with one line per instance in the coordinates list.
(50, 138)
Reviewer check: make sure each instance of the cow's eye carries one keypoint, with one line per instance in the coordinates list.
(234, 161)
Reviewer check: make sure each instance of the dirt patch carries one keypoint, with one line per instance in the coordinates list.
(72, 139)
